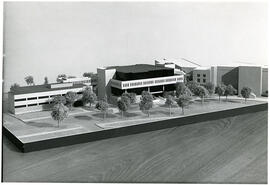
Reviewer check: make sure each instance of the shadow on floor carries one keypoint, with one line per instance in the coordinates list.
(83, 117)
(41, 125)
(100, 115)
(128, 114)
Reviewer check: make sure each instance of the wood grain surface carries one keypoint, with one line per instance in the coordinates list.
(231, 150)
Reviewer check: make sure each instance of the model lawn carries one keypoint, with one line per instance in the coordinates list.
(36, 126)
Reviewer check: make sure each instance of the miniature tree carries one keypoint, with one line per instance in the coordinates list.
(201, 92)
(59, 112)
(88, 74)
(183, 101)
(179, 88)
(126, 99)
(71, 97)
(122, 106)
(210, 87)
(103, 107)
(229, 91)
(169, 102)
(89, 96)
(245, 92)
(220, 89)
(46, 81)
(14, 87)
(59, 99)
(146, 102)
(29, 80)
(91, 75)
(192, 86)
(60, 78)
(132, 97)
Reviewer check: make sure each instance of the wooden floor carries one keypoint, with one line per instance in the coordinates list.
(232, 150)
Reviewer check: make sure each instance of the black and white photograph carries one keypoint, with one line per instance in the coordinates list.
(135, 91)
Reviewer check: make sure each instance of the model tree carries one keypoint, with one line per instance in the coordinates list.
(210, 87)
(146, 102)
(229, 91)
(60, 78)
(183, 101)
(220, 89)
(59, 112)
(59, 99)
(89, 96)
(126, 99)
(192, 86)
(71, 97)
(179, 88)
(14, 87)
(245, 92)
(29, 80)
(46, 81)
(201, 92)
(122, 106)
(88, 74)
(169, 102)
(103, 107)
(93, 76)
(131, 96)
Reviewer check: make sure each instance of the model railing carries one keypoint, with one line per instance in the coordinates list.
(146, 82)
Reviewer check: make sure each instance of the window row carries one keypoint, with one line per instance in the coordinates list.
(199, 75)
(41, 97)
(199, 80)
(31, 105)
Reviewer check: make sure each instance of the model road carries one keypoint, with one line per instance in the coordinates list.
(231, 150)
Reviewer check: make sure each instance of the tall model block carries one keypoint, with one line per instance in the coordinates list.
(104, 77)
(250, 76)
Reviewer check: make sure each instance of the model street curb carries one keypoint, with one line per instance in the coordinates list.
(134, 129)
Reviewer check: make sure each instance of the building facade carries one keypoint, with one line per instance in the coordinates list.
(39, 97)
(114, 81)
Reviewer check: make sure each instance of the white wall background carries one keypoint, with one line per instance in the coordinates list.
(49, 38)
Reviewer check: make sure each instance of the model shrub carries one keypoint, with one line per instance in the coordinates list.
(146, 102)
(102, 106)
(169, 102)
(229, 91)
(59, 112)
(220, 89)
(245, 92)
(183, 101)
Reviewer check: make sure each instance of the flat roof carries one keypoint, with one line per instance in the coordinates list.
(138, 68)
(41, 88)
